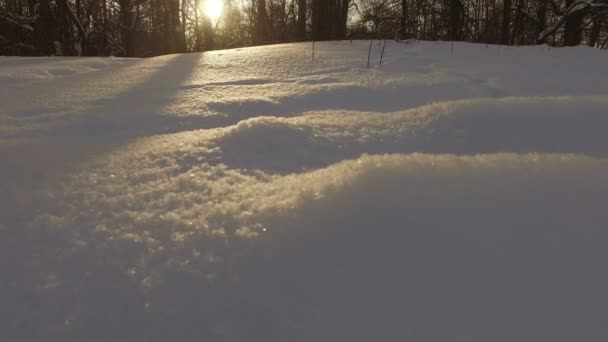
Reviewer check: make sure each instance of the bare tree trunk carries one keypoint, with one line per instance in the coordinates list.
(208, 34)
(573, 30)
(342, 13)
(301, 24)
(518, 23)
(127, 27)
(45, 29)
(506, 22)
(456, 13)
(177, 39)
(404, 13)
(541, 15)
(82, 36)
(329, 19)
(320, 31)
(261, 18)
(594, 35)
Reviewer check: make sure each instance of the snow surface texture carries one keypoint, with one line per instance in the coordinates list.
(257, 195)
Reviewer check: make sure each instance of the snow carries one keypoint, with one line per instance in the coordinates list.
(28, 69)
(256, 194)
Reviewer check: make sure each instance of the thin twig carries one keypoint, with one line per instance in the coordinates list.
(369, 53)
(382, 53)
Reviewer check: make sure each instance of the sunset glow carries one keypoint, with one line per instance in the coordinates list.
(213, 9)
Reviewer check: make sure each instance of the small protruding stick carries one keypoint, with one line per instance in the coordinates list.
(369, 53)
(382, 53)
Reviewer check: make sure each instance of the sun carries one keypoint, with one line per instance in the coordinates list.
(213, 9)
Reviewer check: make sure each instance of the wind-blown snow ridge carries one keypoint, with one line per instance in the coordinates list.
(255, 194)
(516, 124)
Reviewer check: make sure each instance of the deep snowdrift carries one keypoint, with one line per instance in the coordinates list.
(254, 194)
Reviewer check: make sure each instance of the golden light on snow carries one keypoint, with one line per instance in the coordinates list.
(213, 9)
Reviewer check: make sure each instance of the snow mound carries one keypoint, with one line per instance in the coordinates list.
(517, 124)
(377, 245)
(449, 194)
(400, 245)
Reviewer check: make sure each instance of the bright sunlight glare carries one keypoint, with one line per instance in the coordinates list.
(213, 9)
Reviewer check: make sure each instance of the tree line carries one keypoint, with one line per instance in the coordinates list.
(155, 27)
(508, 22)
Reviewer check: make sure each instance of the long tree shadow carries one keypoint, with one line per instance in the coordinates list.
(101, 126)
(140, 111)
(48, 284)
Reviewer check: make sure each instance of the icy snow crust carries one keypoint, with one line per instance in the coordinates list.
(256, 195)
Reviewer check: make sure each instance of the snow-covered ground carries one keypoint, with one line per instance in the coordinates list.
(258, 195)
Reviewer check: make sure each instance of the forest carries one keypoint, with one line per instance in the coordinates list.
(141, 28)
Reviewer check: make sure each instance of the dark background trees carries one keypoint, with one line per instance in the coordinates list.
(154, 27)
(509, 22)
(329, 19)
